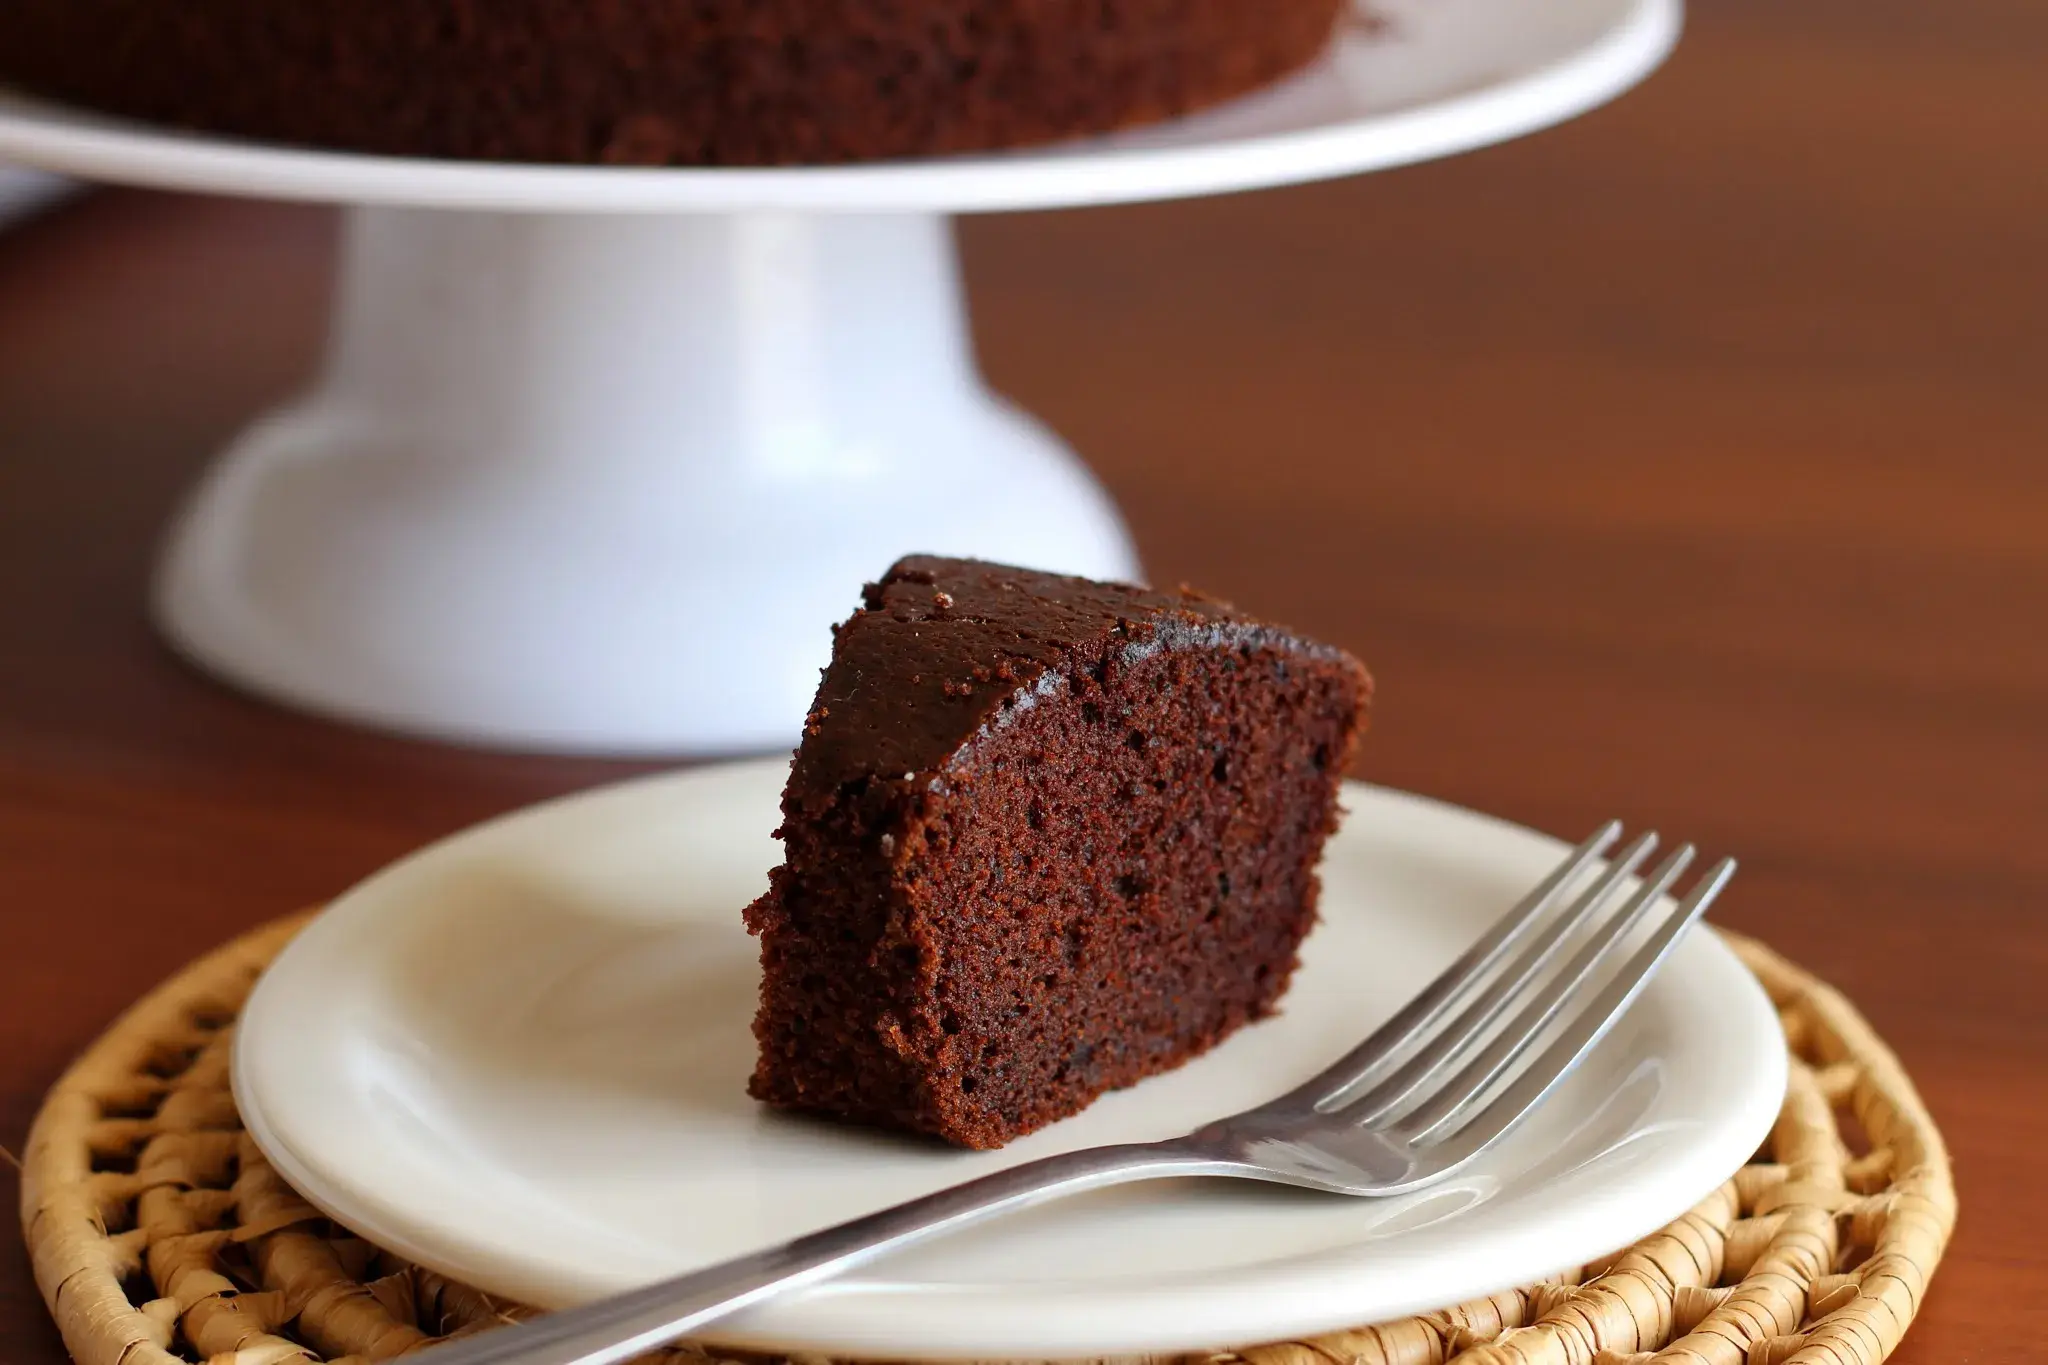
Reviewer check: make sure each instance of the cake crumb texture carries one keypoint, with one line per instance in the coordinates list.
(1044, 838)
(657, 82)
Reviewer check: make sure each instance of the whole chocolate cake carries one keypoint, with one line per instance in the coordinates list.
(1044, 837)
(654, 82)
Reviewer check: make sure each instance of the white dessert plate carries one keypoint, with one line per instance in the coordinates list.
(520, 1058)
(1428, 78)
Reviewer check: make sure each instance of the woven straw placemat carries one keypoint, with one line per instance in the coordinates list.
(160, 1234)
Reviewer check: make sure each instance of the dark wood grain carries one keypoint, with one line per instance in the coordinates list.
(1689, 463)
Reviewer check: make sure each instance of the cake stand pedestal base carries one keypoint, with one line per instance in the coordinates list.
(600, 482)
(600, 451)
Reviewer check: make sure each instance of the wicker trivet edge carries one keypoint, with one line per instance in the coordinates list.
(160, 1236)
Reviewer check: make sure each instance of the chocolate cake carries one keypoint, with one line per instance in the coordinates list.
(656, 82)
(1044, 837)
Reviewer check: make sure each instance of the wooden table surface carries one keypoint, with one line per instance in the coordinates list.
(1688, 463)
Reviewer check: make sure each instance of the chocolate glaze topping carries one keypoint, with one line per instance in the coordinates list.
(943, 649)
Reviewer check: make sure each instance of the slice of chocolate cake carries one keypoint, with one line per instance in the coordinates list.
(1044, 837)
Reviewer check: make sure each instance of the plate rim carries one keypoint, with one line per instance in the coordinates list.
(855, 1319)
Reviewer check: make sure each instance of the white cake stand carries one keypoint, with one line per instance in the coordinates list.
(598, 453)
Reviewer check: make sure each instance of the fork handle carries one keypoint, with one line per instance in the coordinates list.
(618, 1328)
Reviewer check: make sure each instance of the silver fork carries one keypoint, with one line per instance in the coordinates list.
(1431, 1089)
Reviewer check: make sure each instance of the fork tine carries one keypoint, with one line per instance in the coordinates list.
(1440, 996)
(1588, 1027)
(1508, 1046)
(1473, 1025)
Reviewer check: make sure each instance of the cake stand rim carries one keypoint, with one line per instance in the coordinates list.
(1107, 171)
